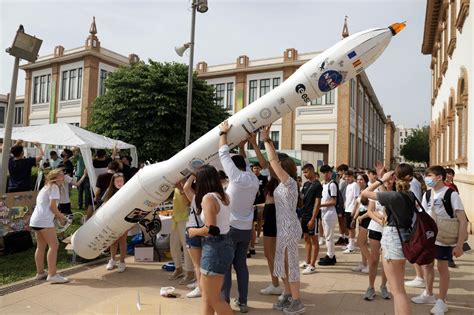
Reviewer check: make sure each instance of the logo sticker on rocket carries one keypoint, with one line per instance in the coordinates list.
(265, 113)
(301, 89)
(329, 80)
(196, 163)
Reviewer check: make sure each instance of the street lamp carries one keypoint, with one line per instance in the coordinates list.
(24, 47)
(200, 6)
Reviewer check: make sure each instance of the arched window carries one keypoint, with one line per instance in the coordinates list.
(452, 26)
(462, 112)
(452, 125)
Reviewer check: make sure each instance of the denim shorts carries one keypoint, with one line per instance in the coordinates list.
(391, 244)
(217, 255)
(194, 242)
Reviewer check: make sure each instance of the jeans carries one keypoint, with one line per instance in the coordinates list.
(217, 255)
(241, 240)
(178, 242)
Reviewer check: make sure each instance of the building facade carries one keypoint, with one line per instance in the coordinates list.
(61, 87)
(18, 113)
(347, 125)
(448, 37)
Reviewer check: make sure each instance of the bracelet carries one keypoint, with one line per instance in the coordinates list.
(222, 133)
(380, 181)
(267, 140)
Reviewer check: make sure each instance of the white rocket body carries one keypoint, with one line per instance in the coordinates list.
(154, 183)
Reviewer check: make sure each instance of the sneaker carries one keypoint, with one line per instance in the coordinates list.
(178, 273)
(303, 265)
(346, 241)
(358, 268)
(110, 265)
(192, 285)
(415, 283)
(340, 241)
(348, 251)
(326, 261)
(194, 293)
(252, 251)
(242, 306)
(321, 241)
(440, 307)
(249, 255)
(452, 264)
(57, 279)
(295, 307)
(283, 303)
(424, 298)
(121, 267)
(271, 290)
(369, 294)
(309, 270)
(42, 276)
(384, 293)
(281, 296)
(365, 269)
(187, 280)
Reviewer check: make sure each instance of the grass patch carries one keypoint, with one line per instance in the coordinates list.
(19, 266)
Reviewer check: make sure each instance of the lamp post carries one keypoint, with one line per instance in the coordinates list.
(200, 6)
(24, 47)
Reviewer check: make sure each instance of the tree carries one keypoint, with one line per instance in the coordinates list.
(417, 147)
(145, 104)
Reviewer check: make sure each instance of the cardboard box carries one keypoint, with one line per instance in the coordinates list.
(144, 253)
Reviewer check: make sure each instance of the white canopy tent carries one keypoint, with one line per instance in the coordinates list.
(69, 135)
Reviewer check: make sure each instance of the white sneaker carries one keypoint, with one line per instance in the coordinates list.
(57, 279)
(440, 307)
(271, 290)
(416, 283)
(303, 265)
(365, 269)
(281, 297)
(121, 267)
(42, 276)
(110, 265)
(348, 251)
(321, 241)
(424, 298)
(358, 268)
(194, 293)
(192, 285)
(309, 270)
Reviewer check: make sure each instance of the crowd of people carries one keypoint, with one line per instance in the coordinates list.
(219, 215)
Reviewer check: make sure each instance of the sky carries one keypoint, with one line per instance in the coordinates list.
(401, 77)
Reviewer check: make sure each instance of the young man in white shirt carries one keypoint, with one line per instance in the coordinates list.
(328, 215)
(437, 206)
(242, 189)
(352, 192)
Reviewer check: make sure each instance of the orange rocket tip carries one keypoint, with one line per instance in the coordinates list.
(397, 27)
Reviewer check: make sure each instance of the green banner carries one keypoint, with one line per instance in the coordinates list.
(52, 103)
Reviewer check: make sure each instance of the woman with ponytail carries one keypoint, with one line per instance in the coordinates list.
(399, 209)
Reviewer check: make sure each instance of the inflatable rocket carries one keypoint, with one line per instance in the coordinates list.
(154, 183)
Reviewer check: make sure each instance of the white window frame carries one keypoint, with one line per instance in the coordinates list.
(68, 67)
(260, 76)
(106, 67)
(226, 80)
(39, 73)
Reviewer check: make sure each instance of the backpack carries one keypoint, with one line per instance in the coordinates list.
(339, 199)
(446, 201)
(419, 246)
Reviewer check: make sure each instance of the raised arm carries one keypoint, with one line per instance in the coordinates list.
(369, 192)
(41, 152)
(272, 156)
(253, 142)
(229, 167)
(188, 189)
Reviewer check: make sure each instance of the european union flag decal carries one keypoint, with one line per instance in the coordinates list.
(352, 54)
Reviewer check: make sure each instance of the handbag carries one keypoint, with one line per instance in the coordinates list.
(448, 230)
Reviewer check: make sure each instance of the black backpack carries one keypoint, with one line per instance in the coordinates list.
(446, 201)
(339, 199)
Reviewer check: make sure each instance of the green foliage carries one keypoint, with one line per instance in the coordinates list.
(417, 147)
(145, 105)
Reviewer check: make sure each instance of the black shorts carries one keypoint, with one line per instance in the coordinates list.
(65, 208)
(364, 223)
(348, 219)
(269, 220)
(444, 252)
(304, 227)
(374, 235)
(36, 228)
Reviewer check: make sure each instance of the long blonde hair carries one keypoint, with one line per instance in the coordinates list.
(52, 176)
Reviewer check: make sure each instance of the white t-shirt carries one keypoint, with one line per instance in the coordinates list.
(329, 213)
(436, 206)
(64, 189)
(42, 216)
(415, 187)
(352, 192)
(374, 225)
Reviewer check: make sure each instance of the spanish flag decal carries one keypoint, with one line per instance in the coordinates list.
(356, 63)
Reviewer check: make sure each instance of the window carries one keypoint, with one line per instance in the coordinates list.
(79, 83)
(353, 93)
(276, 82)
(401, 133)
(330, 97)
(318, 101)
(103, 76)
(275, 136)
(264, 86)
(351, 149)
(2, 115)
(18, 118)
(230, 96)
(63, 86)
(220, 93)
(359, 152)
(41, 87)
(252, 90)
(71, 84)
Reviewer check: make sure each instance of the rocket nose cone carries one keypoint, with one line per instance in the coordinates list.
(397, 27)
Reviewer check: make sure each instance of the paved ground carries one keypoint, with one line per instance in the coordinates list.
(333, 290)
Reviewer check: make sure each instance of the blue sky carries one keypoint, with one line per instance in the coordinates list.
(260, 29)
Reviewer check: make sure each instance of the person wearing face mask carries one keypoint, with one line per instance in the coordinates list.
(435, 201)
